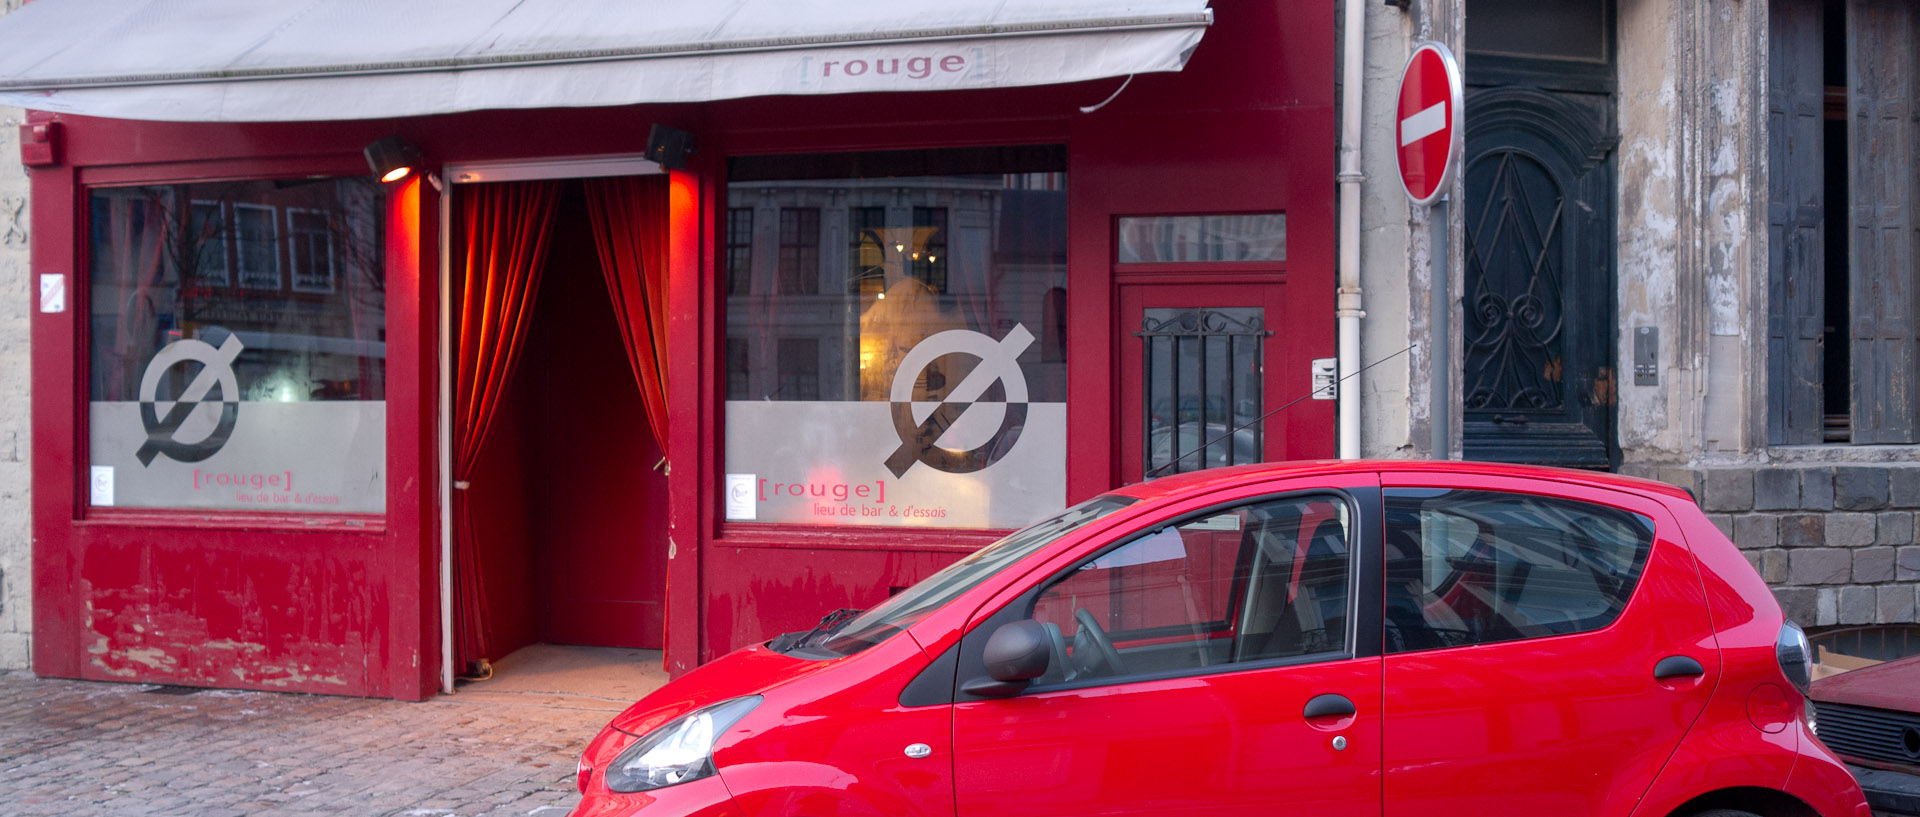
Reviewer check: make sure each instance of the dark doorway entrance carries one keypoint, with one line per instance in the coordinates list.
(1540, 381)
(569, 495)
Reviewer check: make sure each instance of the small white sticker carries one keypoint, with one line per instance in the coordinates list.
(53, 295)
(1326, 372)
(740, 499)
(101, 486)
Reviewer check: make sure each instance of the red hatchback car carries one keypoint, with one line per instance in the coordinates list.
(1393, 638)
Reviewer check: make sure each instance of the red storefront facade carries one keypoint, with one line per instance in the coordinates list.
(576, 526)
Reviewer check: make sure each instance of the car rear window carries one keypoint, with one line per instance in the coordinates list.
(1476, 567)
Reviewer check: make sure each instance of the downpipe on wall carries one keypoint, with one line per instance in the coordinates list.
(1347, 303)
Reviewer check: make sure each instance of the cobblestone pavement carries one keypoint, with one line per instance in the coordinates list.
(83, 748)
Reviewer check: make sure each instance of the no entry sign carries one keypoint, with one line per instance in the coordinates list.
(1427, 123)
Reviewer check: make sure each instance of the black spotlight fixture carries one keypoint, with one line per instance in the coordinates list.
(392, 158)
(669, 147)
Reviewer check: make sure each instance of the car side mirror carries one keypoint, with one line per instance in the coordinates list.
(1015, 654)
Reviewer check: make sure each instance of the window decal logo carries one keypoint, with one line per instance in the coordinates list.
(164, 432)
(999, 365)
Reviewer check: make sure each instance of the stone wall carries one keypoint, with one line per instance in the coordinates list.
(1836, 542)
(16, 430)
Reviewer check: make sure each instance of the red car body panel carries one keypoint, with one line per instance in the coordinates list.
(1569, 724)
(1518, 727)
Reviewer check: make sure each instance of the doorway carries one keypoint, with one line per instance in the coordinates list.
(1193, 378)
(1538, 323)
(567, 493)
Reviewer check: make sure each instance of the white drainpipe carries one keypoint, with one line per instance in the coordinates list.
(1347, 304)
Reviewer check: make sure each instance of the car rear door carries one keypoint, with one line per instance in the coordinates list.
(1547, 646)
(1240, 685)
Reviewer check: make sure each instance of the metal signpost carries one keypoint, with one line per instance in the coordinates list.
(1428, 127)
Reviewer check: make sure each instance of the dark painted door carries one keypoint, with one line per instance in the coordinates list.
(1538, 319)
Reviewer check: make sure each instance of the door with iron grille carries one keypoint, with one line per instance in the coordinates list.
(1193, 378)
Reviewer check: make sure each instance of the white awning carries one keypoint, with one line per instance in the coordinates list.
(257, 60)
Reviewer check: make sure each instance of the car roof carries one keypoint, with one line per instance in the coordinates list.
(1203, 481)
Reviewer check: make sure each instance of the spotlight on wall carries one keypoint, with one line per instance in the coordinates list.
(392, 158)
(669, 147)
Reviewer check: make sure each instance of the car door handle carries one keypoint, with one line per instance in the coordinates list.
(1329, 706)
(1677, 666)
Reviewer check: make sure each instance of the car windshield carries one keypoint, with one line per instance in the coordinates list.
(897, 613)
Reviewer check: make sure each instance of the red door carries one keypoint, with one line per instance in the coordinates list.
(1520, 675)
(1196, 374)
(1229, 684)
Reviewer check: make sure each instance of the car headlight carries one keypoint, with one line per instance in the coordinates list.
(677, 752)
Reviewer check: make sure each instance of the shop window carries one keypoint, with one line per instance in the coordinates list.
(217, 382)
(921, 389)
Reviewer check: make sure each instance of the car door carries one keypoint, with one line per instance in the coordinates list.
(1233, 681)
(1547, 646)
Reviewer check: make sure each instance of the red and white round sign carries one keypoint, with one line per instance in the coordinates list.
(1427, 122)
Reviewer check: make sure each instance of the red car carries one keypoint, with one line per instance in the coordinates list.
(1395, 638)
(1871, 718)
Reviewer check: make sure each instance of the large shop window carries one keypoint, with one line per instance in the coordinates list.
(896, 338)
(238, 346)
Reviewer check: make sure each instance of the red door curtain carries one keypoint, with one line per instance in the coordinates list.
(506, 227)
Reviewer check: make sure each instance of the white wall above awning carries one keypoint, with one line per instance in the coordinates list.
(255, 60)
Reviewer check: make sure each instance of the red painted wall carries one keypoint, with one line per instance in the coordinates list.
(350, 605)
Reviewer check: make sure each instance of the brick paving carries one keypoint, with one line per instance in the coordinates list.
(84, 748)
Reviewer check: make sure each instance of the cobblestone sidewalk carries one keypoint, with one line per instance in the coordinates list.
(82, 748)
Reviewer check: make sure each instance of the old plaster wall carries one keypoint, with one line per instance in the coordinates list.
(1692, 257)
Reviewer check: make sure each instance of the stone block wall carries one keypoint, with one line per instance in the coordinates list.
(1836, 542)
(16, 431)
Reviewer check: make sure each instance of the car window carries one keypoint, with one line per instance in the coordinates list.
(1476, 567)
(901, 611)
(1260, 581)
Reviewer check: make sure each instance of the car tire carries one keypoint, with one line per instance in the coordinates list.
(1724, 812)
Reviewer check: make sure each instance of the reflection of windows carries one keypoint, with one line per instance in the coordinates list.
(839, 308)
(196, 268)
(257, 238)
(739, 250)
(1250, 583)
(928, 255)
(1476, 567)
(1220, 238)
(737, 382)
(866, 260)
(799, 250)
(211, 238)
(799, 369)
(310, 250)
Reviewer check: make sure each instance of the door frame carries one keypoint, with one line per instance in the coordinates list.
(450, 177)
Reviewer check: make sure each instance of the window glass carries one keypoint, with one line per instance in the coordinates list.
(1475, 567)
(896, 337)
(1175, 239)
(900, 611)
(1257, 582)
(238, 346)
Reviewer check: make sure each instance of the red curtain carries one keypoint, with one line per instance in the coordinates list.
(629, 216)
(505, 227)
